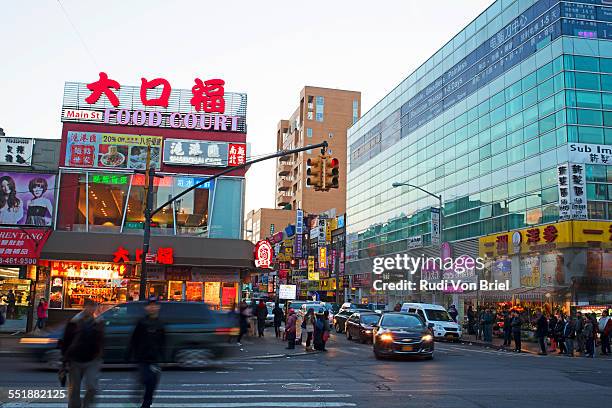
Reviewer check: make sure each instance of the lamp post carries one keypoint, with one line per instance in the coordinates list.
(506, 202)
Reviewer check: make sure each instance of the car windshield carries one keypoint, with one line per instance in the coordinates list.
(369, 319)
(438, 315)
(401, 320)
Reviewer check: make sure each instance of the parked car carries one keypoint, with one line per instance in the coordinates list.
(444, 327)
(402, 334)
(340, 318)
(360, 325)
(194, 334)
(352, 306)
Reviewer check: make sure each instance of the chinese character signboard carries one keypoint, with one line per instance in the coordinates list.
(263, 254)
(572, 191)
(541, 238)
(299, 231)
(21, 246)
(287, 292)
(15, 151)
(322, 258)
(590, 153)
(111, 151)
(435, 226)
(312, 275)
(415, 242)
(322, 232)
(236, 154)
(28, 198)
(199, 153)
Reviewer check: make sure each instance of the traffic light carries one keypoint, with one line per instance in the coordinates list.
(314, 172)
(332, 173)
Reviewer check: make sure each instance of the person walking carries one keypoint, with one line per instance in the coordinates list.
(569, 334)
(541, 331)
(243, 317)
(605, 327)
(452, 311)
(278, 319)
(262, 313)
(291, 328)
(579, 327)
(317, 338)
(487, 322)
(471, 318)
(516, 330)
(587, 332)
(559, 334)
(326, 329)
(11, 301)
(308, 326)
(42, 313)
(147, 346)
(82, 346)
(507, 328)
(552, 323)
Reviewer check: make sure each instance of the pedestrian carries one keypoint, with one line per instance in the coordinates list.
(541, 331)
(11, 301)
(471, 318)
(481, 314)
(82, 346)
(317, 338)
(243, 311)
(605, 327)
(452, 311)
(559, 326)
(552, 323)
(278, 319)
(516, 330)
(579, 327)
(587, 332)
(290, 328)
(569, 334)
(398, 307)
(147, 346)
(507, 328)
(308, 326)
(487, 325)
(262, 313)
(42, 313)
(326, 329)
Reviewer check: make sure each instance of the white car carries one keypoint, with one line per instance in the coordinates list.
(444, 327)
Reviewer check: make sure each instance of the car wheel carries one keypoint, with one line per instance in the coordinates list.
(348, 335)
(53, 359)
(378, 356)
(193, 358)
(338, 329)
(429, 357)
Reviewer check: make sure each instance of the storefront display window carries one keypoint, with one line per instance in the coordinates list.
(194, 291)
(211, 294)
(107, 196)
(175, 290)
(163, 221)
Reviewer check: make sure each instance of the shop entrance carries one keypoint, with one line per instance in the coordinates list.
(14, 299)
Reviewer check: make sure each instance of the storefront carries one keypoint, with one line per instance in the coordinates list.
(106, 268)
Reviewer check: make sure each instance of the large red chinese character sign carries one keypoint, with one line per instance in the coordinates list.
(103, 86)
(208, 96)
(263, 254)
(236, 154)
(152, 84)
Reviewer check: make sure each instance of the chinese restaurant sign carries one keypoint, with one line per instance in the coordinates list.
(21, 246)
(16, 151)
(111, 151)
(203, 153)
(263, 254)
(206, 106)
(538, 238)
(163, 256)
(26, 198)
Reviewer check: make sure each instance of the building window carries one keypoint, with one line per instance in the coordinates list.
(320, 108)
(309, 132)
(355, 110)
(310, 115)
(330, 135)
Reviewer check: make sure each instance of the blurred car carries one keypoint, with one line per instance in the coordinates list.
(195, 334)
(340, 318)
(402, 334)
(444, 327)
(360, 325)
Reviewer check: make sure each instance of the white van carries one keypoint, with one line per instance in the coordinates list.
(443, 325)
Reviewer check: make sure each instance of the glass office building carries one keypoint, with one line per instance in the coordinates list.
(485, 122)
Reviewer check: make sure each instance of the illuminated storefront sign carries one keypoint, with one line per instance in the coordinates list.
(21, 246)
(163, 256)
(263, 254)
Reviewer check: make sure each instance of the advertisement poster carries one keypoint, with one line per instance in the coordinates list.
(56, 299)
(501, 270)
(111, 151)
(211, 293)
(530, 271)
(552, 269)
(26, 198)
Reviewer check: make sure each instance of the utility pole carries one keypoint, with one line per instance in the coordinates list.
(149, 212)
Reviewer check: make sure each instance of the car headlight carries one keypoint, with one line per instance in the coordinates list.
(37, 340)
(427, 337)
(385, 337)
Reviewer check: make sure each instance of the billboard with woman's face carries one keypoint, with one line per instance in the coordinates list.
(26, 198)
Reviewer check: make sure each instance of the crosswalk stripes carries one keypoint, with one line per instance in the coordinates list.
(215, 395)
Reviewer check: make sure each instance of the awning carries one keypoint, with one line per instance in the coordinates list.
(100, 247)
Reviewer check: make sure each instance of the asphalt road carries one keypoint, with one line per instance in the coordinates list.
(460, 376)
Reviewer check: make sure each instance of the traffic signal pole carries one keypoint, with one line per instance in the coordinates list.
(149, 212)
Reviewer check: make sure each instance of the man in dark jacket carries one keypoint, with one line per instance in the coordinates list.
(579, 327)
(516, 330)
(569, 334)
(487, 325)
(507, 328)
(278, 319)
(262, 313)
(541, 331)
(147, 346)
(82, 346)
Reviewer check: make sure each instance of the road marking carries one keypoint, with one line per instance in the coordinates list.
(493, 352)
(228, 396)
(308, 404)
(284, 381)
(187, 391)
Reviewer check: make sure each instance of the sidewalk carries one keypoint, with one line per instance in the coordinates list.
(526, 346)
(267, 347)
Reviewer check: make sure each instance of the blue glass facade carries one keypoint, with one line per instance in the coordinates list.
(485, 122)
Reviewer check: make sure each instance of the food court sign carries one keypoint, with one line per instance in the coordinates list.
(206, 106)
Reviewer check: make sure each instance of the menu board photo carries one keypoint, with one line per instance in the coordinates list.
(112, 151)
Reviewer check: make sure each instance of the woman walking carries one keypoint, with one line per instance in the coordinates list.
(308, 326)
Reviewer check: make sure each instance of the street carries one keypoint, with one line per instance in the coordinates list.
(348, 375)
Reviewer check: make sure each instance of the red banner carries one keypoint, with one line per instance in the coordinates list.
(22, 246)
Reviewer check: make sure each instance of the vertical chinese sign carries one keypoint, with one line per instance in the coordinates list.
(572, 196)
(299, 231)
